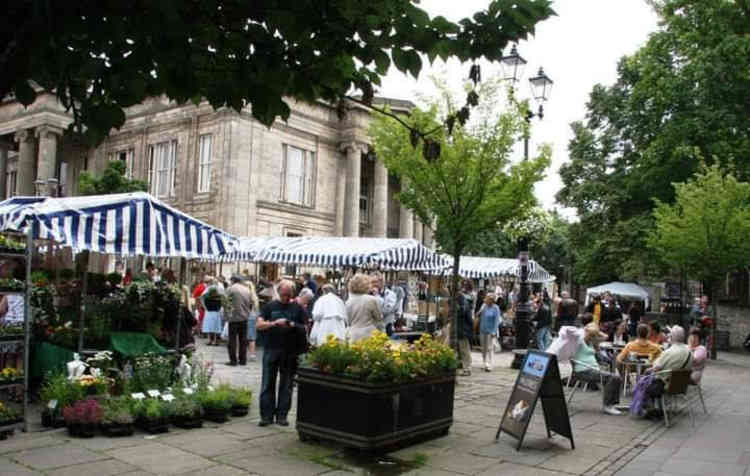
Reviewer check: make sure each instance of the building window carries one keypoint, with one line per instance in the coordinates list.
(162, 168)
(10, 184)
(128, 157)
(298, 176)
(204, 164)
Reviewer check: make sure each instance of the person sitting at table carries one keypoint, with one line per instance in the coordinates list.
(700, 354)
(586, 368)
(655, 334)
(640, 346)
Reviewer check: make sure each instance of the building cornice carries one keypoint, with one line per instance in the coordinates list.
(282, 207)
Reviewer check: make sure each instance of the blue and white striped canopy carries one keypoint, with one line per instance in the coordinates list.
(123, 224)
(332, 252)
(479, 267)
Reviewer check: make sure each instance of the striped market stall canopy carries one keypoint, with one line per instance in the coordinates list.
(126, 224)
(479, 267)
(332, 252)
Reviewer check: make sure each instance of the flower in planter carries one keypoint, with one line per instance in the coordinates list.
(83, 412)
(379, 359)
(117, 411)
(219, 400)
(9, 374)
(8, 414)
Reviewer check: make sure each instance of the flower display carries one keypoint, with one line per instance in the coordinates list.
(9, 374)
(87, 411)
(8, 414)
(379, 359)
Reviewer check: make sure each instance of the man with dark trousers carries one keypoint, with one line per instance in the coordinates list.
(242, 303)
(280, 321)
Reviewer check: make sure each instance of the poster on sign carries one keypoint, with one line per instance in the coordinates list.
(539, 377)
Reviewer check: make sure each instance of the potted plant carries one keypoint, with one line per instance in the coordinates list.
(11, 375)
(187, 412)
(11, 246)
(117, 419)
(58, 392)
(83, 417)
(153, 415)
(241, 399)
(8, 415)
(11, 285)
(11, 332)
(216, 404)
(376, 392)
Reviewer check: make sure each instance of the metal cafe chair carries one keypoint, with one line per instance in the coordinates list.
(580, 384)
(676, 389)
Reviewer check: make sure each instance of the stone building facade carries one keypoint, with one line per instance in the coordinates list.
(311, 175)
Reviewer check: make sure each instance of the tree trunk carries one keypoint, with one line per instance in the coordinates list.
(454, 300)
(715, 320)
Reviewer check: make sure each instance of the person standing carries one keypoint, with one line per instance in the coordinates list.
(211, 302)
(543, 320)
(465, 329)
(280, 321)
(489, 322)
(329, 317)
(362, 309)
(242, 304)
(198, 290)
(252, 320)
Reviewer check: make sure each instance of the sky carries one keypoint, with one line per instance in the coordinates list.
(578, 48)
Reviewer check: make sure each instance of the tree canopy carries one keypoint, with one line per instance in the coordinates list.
(101, 56)
(705, 231)
(681, 97)
(112, 180)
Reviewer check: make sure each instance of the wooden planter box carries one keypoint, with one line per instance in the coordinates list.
(371, 416)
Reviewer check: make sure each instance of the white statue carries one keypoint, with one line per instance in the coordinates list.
(184, 370)
(76, 367)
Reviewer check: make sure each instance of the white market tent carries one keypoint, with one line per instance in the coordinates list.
(480, 267)
(336, 252)
(626, 290)
(128, 224)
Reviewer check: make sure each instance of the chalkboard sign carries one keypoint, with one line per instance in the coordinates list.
(539, 377)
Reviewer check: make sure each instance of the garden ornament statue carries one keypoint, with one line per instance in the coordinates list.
(76, 367)
(184, 370)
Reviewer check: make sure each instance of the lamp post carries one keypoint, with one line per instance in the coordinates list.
(541, 86)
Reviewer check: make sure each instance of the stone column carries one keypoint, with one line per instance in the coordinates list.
(427, 236)
(417, 230)
(3, 169)
(406, 224)
(340, 196)
(47, 157)
(380, 201)
(26, 163)
(351, 199)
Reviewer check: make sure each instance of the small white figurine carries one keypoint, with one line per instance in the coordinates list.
(76, 367)
(184, 370)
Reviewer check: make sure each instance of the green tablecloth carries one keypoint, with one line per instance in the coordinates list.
(46, 357)
(131, 344)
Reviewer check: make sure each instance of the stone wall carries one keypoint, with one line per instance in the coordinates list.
(736, 320)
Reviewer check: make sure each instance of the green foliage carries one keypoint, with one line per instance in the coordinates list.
(113, 55)
(118, 411)
(681, 97)
(186, 406)
(705, 231)
(220, 399)
(58, 387)
(152, 410)
(151, 372)
(112, 180)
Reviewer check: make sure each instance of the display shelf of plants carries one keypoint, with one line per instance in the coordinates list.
(141, 306)
(151, 393)
(13, 351)
(346, 391)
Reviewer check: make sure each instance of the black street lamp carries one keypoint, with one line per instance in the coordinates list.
(541, 86)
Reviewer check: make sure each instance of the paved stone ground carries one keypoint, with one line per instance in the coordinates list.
(605, 445)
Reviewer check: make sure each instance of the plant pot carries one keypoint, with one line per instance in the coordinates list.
(216, 415)
(240, 410)
(117, 429)
(372, 416)
(155, 426)
(7, 337)
(188, 422)
(82, 430)
(58, 422)
(48, 419)
(11, 251)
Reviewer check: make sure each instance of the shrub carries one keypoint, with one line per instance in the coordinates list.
(87, 411)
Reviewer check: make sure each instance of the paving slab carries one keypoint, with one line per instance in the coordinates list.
(159, 458)
(108, 467)
(211, 443)
(10, 468)
(218, 470)
(25, 442)
(462, 463)
(56, 456)
(277, 465)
